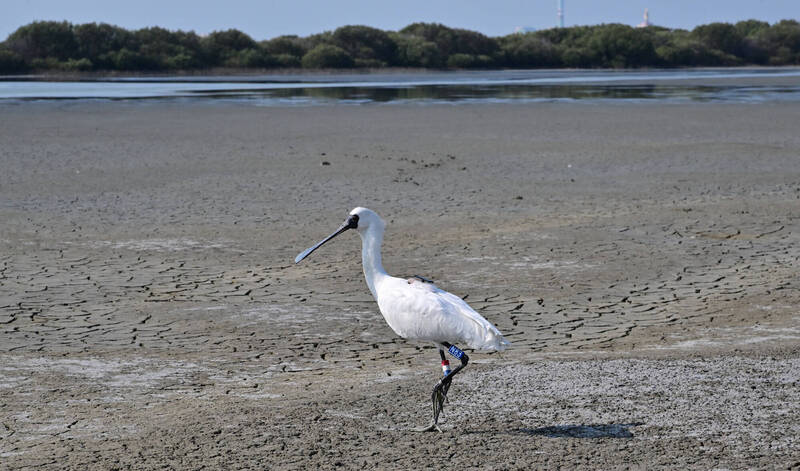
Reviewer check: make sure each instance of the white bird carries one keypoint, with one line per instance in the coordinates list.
(416, 309)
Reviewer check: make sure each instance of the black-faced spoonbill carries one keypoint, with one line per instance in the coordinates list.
(416, 309)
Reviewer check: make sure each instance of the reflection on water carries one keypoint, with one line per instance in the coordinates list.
(438, 87)
(509, 93)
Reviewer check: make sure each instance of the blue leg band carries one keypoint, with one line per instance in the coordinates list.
(455, 351)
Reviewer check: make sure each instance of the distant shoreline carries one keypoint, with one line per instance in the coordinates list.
(57, 76)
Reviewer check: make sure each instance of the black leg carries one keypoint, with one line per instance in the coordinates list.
(439, 394)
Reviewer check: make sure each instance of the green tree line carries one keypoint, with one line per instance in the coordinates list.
(63, 46)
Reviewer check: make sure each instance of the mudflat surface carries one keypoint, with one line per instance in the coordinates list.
(641, 259)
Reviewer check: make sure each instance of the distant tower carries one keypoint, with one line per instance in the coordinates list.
(646, 22)
(560, 13)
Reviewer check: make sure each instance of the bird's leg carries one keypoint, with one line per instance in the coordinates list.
(445, 373)
(443, 385)
(439, 394)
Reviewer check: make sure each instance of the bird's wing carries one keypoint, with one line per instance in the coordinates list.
(422, 311)
(488, 337)
(467, 311)
(410, 307)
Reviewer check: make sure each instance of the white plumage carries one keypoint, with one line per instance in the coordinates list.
(416, 309)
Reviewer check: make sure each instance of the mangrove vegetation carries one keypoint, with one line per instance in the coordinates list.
(44, 46)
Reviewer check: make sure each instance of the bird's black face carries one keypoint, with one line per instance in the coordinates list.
(350, 223)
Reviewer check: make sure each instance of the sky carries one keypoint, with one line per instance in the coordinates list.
(266, 19)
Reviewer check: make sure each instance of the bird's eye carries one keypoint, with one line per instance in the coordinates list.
(352, 221)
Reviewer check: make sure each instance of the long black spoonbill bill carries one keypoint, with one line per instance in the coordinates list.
(416, 309)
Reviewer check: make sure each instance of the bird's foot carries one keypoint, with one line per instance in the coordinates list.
(439, 397)
(430, 428)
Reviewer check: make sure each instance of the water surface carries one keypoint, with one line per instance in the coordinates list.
(668, 86)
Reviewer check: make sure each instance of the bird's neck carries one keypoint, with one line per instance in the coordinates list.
(371, 241)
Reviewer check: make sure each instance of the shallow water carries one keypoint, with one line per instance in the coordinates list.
(665, 86)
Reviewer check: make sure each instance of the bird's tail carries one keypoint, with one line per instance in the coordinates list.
(493, 341)
(502, 343)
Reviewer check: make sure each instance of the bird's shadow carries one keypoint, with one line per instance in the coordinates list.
(581, 431)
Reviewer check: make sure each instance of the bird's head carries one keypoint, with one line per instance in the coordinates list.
(366, 219)
(360, 219)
